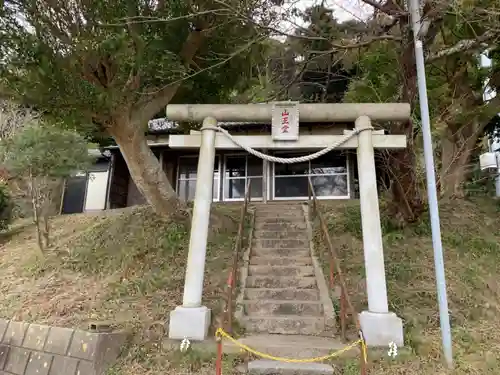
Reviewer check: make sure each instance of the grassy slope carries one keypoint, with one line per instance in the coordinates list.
(471, 240)
(126, 267)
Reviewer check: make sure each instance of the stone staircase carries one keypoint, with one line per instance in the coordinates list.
(285, 305)
(281, 295)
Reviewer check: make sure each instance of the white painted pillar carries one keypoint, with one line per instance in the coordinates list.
(193, 285)
(379, 326)
(370, 220)
(191, 320)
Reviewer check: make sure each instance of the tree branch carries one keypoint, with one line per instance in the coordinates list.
(154, 103)
(464, 45)
(389, 7)
(489, 110)
(351, 44)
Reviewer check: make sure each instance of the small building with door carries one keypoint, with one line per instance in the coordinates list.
(88, 191)
(334, 175)
(108, 183)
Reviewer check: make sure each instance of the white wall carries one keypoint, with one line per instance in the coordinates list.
(95, 198)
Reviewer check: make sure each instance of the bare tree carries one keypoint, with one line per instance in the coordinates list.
(14, 117)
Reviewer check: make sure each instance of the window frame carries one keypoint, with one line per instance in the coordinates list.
(216, 186)
(245, 178)
(272, 190)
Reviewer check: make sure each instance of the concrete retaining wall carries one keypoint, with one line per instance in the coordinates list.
(33, 349)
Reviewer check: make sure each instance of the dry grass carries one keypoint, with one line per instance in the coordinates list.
(471, 242)
(126, 267)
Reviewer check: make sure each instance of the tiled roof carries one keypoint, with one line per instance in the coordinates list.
(162, 124)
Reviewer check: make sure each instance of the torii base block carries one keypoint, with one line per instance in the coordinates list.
(190, 323)
(380, 329)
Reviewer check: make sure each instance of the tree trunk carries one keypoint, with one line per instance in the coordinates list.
(145, 169)
(46, 200)
(36, 216)
(46, 232)
(456, 151)
(406, 204)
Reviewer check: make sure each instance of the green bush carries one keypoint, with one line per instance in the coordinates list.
(6, 207)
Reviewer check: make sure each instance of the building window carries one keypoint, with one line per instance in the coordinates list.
(186, 181)
(238, 170)
(290, 180)
(328, 173)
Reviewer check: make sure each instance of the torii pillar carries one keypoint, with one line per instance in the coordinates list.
(192, 319)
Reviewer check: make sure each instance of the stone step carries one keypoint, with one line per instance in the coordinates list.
(268, 367)
(280, 261)
(290, 220)
(280, 243)
(278, 206)
(279, 209)
(283, 294)
(275, 271)
(281, 282)
(280, 252)
(277, 218)
(276, 307)
(296, 346)
(285, 325)
(286, 216)
(280, 234)
(278, 227)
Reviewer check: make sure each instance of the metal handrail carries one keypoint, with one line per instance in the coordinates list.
(334, 265)
(227, 302)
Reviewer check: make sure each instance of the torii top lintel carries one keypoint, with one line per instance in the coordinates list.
(316, 112)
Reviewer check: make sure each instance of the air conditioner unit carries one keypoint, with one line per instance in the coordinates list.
(488, 160)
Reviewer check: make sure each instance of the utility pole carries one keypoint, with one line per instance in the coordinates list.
(444, 317)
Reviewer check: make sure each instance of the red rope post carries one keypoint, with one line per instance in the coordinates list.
(332, 273)
(230, 279)
(363, 362)
(229, 303)
(343, 314)
(218, 361)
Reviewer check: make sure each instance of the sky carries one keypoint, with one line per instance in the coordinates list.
(344, 10)
(489, 93)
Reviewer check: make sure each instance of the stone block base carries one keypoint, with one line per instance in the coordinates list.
(34, 349)
(189, 323)
(380, 329)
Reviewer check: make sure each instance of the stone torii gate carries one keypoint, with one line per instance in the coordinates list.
(191, 320)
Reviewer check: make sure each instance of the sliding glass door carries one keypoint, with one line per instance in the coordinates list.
(238, 170)
(290, 180)
(187, 174)
(329, 175)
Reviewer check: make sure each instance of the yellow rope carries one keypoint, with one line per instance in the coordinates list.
(221, 333)
(364, 350)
